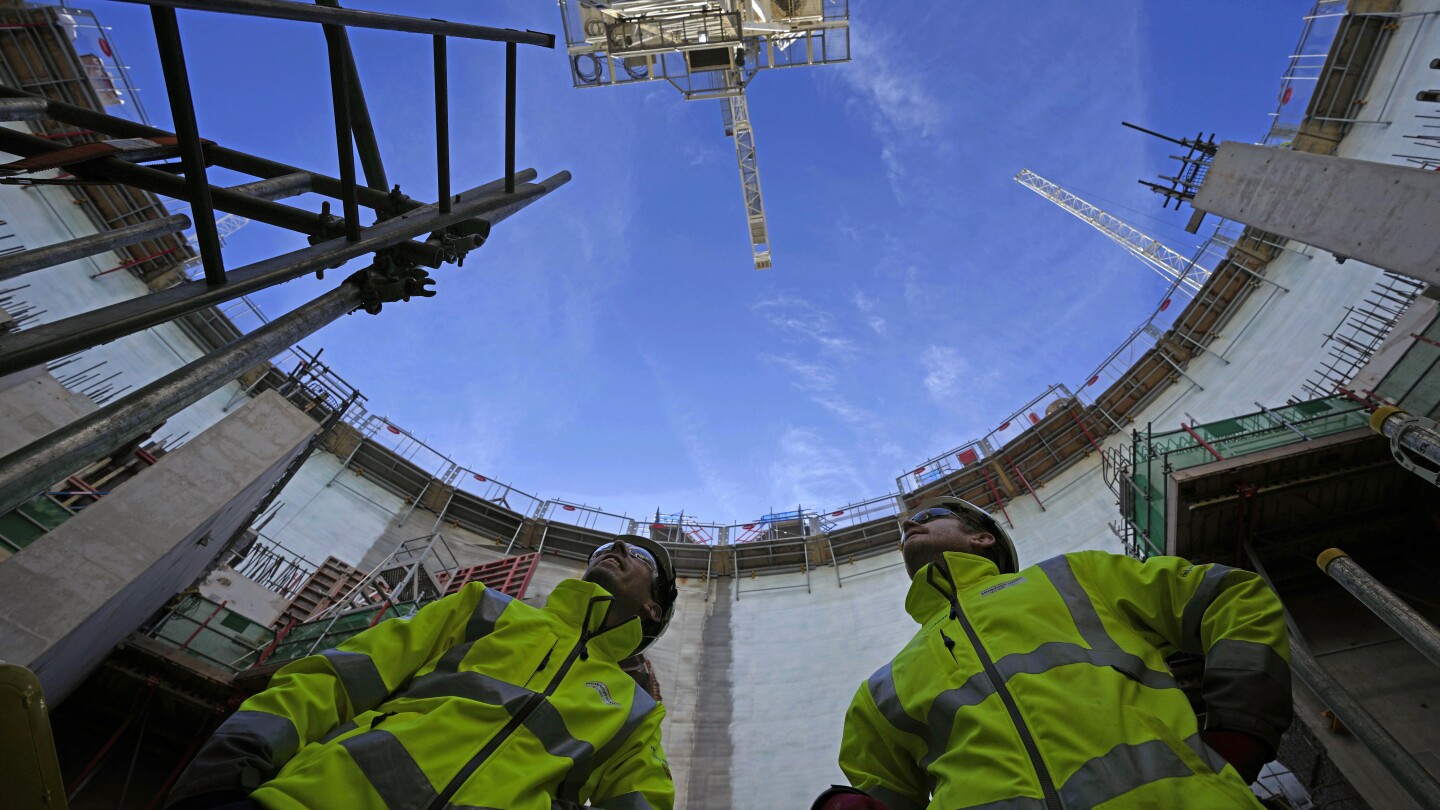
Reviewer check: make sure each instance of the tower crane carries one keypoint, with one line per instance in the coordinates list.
(707, 49)
(1170, 265)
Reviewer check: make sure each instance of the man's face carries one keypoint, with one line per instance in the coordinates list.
(927, 537)
(620, 569)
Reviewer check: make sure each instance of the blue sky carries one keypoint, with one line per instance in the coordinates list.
(612, 345)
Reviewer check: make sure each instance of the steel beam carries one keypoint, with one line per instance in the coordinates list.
(360, 124)
(23, 109)
(18, 264)
(285, 10)
(277, 188)
(41, 463)
(340, 81)
(1383, 602)
(1371, 733)
(49, 341)
(442, 128)
(192, 154)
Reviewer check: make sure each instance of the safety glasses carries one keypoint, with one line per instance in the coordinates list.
(927, 515)
(635, 551)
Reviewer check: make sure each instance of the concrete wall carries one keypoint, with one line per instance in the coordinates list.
(39, 216)
(68, 598)
(35, 404)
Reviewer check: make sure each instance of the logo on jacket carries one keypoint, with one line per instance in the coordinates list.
(603, 691)
(1002, 586)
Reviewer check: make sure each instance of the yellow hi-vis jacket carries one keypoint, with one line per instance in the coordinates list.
(1048, 689)
(477, 701)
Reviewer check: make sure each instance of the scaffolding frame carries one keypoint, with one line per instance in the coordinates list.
(396, 273)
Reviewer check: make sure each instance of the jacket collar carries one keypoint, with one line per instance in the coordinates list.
(936, 583)
(573, 599)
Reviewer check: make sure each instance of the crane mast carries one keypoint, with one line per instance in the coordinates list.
(736, 114)
(1170, 265)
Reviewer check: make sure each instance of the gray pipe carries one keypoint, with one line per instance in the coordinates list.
(23, 109)
(18, 264)
(44, 461)
(1382, 602)
(1416, 781)
(278, 188)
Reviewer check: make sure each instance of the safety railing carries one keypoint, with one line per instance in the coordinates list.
(210, 631)
(1139, 480)
(1304, 71)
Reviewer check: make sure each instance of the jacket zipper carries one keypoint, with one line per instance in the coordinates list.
(515, 722)
(1047, 784)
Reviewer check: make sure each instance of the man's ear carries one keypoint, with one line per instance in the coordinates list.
(983, 539)
(651, 611)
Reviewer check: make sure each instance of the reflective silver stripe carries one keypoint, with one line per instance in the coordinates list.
(1017, 803)
(544, 720)
(1119, 771)
(1082, 610)
(277, 734)
(474, 686)
(340, 730)
(1042, 659)
(391, 770)
(1216, 762)
(1199, 603)
(1053, 654)
(1247, 688)
(360, 677)
(482, 623)
(1229, 653)
(626, 801)
(893, 799)
(549, 728)
(887, 700)
(943, 709)
(640, 707)
(245, 751)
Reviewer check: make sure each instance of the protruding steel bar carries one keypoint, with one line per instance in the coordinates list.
(41, 463)
(1413, 777)
(442, 127)
(285, 10)
(340, 81)
(18, 264)
(192, 154)
(277, 188)
(361, 125)
(23, 109)
(510, 117)
(1383, 602)
(50, 341)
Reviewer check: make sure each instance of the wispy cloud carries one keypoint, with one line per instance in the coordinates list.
(892, 97)
(810, 470)
(812, 375)
(802, 320)
(945, 370)
(866, 305)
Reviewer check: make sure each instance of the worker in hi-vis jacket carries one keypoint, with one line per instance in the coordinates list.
(1046, 687)
(478, 700)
